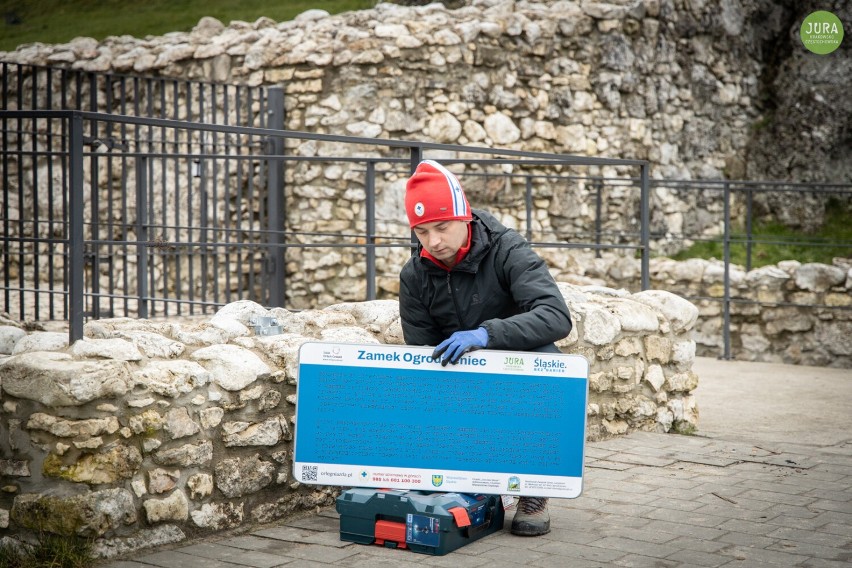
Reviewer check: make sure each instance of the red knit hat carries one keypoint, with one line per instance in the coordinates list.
(433, 193)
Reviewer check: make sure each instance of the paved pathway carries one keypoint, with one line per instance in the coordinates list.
(767, 482)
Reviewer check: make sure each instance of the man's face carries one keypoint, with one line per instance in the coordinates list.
(442, 239)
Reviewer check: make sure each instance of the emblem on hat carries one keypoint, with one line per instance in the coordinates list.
(419, 210)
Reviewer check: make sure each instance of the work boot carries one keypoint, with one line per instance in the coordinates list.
(531, 518)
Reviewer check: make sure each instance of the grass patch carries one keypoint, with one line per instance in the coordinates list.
(773, 242)
(49, 551)
(59, 21)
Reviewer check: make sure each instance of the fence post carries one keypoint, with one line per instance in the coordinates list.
(277, 204)
(645, 230)
(528, 201)
(415, 158)
(142, 235)
(748, 227)
(726, 302)
(598, 212)
(370, 213)
(76, 241)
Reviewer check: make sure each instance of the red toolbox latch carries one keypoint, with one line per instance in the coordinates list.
(461, 516)
(390, 531)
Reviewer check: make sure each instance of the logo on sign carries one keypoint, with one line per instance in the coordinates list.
(437, 480)
(514, 483)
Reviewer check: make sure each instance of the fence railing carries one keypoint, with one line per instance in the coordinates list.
(34, 87)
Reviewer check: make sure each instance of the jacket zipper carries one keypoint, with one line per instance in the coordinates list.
(455, 301)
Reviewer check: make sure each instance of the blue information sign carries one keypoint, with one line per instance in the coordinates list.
(389, 416)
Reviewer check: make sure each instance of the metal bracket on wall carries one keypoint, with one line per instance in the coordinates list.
(266, 326)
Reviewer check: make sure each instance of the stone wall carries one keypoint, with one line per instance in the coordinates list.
(791, 312)
(146, 432)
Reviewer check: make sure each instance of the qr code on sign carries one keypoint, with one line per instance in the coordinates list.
(309, 472)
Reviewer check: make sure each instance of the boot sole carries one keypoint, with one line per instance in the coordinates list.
(526, 529)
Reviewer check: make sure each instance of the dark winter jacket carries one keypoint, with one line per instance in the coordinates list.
(501, 285)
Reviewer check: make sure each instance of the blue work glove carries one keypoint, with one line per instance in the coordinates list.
(460, 343)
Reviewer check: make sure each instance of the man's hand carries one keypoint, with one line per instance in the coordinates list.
(460, 343)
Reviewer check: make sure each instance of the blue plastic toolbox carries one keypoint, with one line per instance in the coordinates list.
(420, 521)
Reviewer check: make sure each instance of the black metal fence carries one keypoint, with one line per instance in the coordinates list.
(184, 217)
(34, 87)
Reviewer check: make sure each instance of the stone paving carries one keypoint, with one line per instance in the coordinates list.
(649, 500)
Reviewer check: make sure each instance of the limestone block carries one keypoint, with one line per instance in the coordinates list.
(501, 129)
(42, 341)
(185, 456)
(283, 350)
(614, 427)
(269, 400)
(835, 337)
(179, 424)
(819, 277)
(15, 468)
(752, 338)
(770, 277)
(114, 327)
(175, 507)
(54, 379)
(628, 346)
(311, 322)
(348, 335)
(4, 518)
(837, 299)
(162, 481)
(786, 318)
(236, 477)
(683, 352)
(601, 382)
(116, 349)
(218, 515)
(644, 408)
(605, 352)
(681, 313)
(682, 382)
(90, 514)
(251, 394)
(655, 377)
(9, 337)
(201, 334)
(233, 368)
(171, 378)
(72, 428)
(444, 128)
(665, 418)
(142, 539)
(266, 433)
(113, 464)
(658, 348)
(232, 327)
(147, 422)
(200, 485)
(600, 326)
(633, 316)
(211, 417)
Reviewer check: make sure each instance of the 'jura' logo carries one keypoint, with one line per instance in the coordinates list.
(821, 32)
